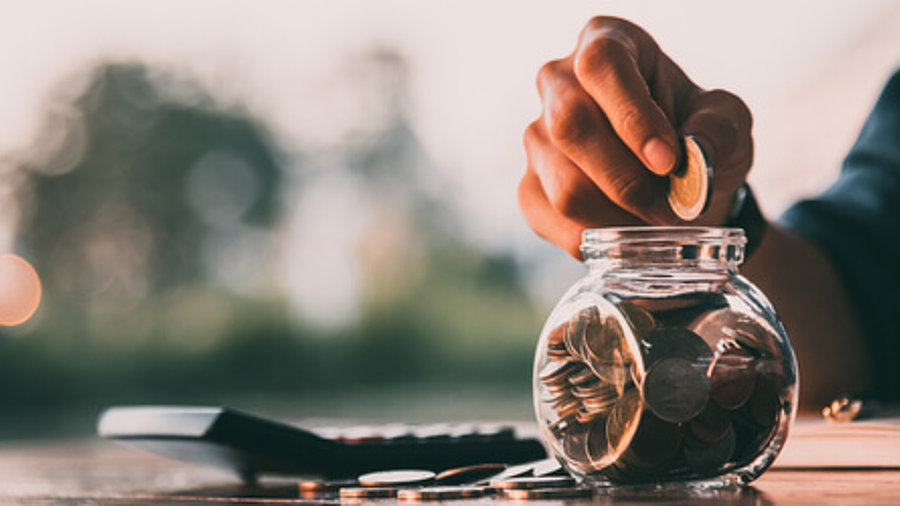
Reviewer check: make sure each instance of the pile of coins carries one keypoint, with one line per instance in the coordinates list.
(704, 395)
(544, 479)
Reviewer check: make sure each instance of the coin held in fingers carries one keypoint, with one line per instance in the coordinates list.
(689, 186)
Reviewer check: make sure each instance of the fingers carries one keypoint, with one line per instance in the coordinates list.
(544, 219)
(559, 201)
(607, 66)
(568, 190)
(579, 130)
(605, 142)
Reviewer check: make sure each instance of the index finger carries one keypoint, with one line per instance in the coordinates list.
(607, 66)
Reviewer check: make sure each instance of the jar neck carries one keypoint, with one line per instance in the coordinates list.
(685, 250)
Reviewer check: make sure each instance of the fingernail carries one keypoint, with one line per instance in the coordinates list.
(660, 155)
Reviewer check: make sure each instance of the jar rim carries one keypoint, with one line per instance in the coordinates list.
(657, 247)
(655, 234)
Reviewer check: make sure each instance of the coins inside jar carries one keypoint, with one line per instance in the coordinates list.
(634, 397)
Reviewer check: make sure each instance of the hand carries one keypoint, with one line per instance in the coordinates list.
(614, 112)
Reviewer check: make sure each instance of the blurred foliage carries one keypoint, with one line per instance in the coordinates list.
(143, 174)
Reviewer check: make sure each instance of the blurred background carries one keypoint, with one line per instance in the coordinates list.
(307, 209)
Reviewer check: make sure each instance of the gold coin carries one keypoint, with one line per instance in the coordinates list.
(641, 320)
(689, 186)
(607, 353)
(574, 446)
(556, 336)
(324, 486)
(582, 377)
(367, 492)
(620, 429)
(556, 373)
(439, 493)
(576, 328)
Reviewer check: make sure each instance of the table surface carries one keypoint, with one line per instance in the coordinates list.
(101, 472)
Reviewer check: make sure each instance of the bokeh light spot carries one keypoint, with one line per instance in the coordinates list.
(20, 290)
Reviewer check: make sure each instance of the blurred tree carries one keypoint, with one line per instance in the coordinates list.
(141, 187)
(142, 170)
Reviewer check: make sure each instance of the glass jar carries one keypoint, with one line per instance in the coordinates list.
(663, 366)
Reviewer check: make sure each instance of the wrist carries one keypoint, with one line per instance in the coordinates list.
(745, 213)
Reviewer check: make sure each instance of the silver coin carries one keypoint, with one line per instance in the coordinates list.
(396, 477)
(675, 389)
(440, 493)
(674, 342)
(726, 325)
(727, 328)
(534, 482)
(516, 471)
(548, 467)
(469, 474)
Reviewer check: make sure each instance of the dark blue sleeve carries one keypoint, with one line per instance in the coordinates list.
(857, 223)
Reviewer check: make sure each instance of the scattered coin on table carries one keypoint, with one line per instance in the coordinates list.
(547, 493)
(440, 493)
(516, 471)
(533, 482)
(468, 474)
(400, 477)
(367, 492)
(324, 486)
(548, 467)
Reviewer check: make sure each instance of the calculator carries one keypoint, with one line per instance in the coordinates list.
(252, 446)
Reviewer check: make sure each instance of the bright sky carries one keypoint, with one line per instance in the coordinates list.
(473, 65)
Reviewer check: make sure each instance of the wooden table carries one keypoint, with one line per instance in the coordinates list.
(100, 472)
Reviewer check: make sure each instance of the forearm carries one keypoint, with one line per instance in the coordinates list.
(817, 313)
